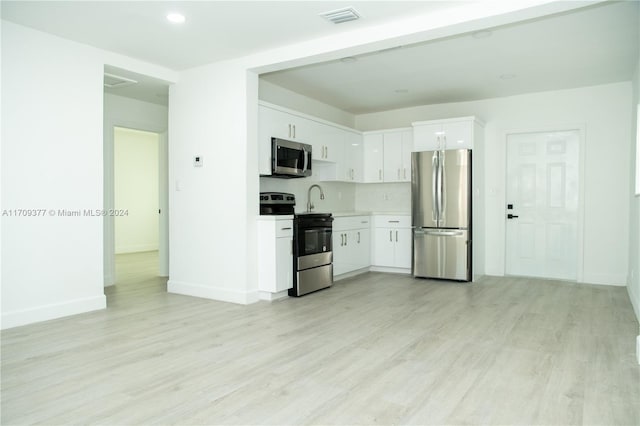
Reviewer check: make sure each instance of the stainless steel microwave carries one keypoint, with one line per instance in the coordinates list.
(290, 159)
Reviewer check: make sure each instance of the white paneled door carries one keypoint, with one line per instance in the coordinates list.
(542, 204)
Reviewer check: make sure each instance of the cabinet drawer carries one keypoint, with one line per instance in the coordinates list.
(351, 222)
(284, 228)
(391, 221)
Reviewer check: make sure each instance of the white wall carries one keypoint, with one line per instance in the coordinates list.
(605, 112)
(136, 190)
(51, 160)
(213, 208)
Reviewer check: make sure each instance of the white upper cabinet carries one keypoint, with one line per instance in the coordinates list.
(392, 156)
(328, 143)
(387, 156)
(454, 133)
(397, 155)
(373, 157)
(350, 169)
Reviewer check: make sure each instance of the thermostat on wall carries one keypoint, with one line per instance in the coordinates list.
(197, 161)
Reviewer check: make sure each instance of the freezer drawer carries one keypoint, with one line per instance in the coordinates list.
(442, 253)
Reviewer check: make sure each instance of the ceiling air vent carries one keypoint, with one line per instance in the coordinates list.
(339, 16)
(113, 81)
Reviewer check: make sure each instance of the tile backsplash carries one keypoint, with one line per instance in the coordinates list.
(342, 196)
(383, 197)
(338, 196)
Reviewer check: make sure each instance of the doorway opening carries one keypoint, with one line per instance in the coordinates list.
(543, 205)
(136, 228)
(136, 204)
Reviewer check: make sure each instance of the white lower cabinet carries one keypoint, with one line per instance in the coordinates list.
(391, 241)
(351, 244)
(275, 256)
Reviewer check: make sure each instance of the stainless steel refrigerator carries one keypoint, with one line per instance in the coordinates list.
(441, 214)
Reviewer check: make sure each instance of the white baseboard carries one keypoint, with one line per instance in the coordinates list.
(49, 312)
(266, 295)
(214, 293)
(391, 270)
(351, 274)
(618, 280)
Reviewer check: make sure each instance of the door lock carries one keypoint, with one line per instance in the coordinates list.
(511, 216)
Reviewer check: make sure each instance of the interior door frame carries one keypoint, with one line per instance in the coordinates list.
(581, 128)
(109, 189)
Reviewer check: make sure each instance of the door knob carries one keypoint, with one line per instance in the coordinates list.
(511, 216)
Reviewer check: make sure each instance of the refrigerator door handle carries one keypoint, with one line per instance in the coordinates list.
(441, 188)
(435, 214)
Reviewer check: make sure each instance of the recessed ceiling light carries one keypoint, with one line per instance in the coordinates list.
(348, 60)
(507, 76)
(176, 18)
(482, 34)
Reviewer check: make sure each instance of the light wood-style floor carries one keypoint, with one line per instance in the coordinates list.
(375, 349)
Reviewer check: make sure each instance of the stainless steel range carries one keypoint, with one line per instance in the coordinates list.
(312, 250)
(312, 253)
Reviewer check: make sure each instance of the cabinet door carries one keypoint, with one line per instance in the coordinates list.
(383, 247)
(284, 263)
(340, 253)
(353, 158)
(327, 141)
(274, 124)
(407, 148)
(362, 248)
(402, 240)
(373, 158)
(427, 137)
(392, 157)
(458, 135)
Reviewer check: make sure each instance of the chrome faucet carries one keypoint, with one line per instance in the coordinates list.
(309, 203)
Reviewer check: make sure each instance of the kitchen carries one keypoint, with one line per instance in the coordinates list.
(362, 240)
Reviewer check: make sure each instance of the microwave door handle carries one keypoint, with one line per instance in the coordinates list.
(304, 153)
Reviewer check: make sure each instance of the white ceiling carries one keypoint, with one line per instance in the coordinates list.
(592, 45)
(589, 46)
(213, 30)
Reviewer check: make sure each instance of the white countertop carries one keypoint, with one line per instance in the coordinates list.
(272, 218)
(345, 214)
(336, 214)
